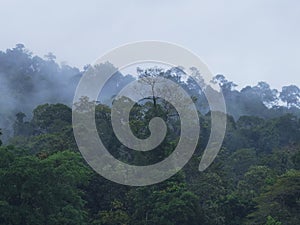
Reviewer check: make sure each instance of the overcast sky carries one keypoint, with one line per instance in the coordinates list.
(247, 41)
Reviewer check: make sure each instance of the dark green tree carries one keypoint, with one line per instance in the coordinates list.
(280, 201)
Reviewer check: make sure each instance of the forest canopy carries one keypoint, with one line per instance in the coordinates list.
(255, 179)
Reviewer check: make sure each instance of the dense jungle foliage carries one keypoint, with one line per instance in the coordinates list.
(255, 179)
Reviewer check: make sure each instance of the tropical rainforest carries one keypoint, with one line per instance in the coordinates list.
(255, 179)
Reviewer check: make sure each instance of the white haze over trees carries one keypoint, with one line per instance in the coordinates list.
(27, 81)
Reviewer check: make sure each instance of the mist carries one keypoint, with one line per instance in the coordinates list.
(27, 80)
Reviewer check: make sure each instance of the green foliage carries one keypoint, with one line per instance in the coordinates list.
(240, 161)
(42, 191)
(296, 160)
(117, 215)
(44, 181)
(254, 179)
(272, 221)
(280, 201)
(51, 118)
(168, 203)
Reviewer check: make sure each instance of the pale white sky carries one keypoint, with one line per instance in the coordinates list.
(247, 41)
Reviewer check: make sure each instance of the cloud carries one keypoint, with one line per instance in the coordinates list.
(248, 41)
